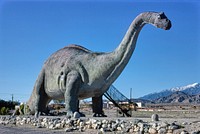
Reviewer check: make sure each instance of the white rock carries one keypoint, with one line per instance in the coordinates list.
(18, 118)
(173, 127)
(184, 132)
(104, 121)
(184, 123)
(119, 128)
(140, 124)
(154, 125)
(6, 122)
(51, 126)
(21, 123)
(195, 132)
(77, 115)
(94, 126)
(102, 130)
(131, 130)
(155, 117)
(93, 121)
(89, 126)
(43, 124)
(28, 120)
(114, 126)
(169, 131)
(68, 130)
(57, 126)
(88, 122)
(99, 122)
(152, 131)
(44, 119)
(162, 131)
(122, 125)
(136, 128)
(104, 126)
(24, 119)
(39, 125)
(82, 124)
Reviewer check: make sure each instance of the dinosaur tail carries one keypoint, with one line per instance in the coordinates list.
(39, 84)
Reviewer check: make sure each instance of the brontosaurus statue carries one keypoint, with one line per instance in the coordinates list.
(74, 72)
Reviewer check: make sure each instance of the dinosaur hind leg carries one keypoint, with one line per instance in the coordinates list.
(73, 83)
(42, 101)
(40, 98)
(97, 106)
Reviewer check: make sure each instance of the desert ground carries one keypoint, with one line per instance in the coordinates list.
(188, 119)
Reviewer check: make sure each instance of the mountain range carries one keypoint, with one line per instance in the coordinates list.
(184, 94)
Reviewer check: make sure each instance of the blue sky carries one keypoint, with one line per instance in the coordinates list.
(30, 31)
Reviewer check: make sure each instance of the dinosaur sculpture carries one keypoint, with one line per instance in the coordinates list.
(74, 72)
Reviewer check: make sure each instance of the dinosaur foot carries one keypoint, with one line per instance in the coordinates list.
(37, 114)
(81, 114)
(99, 115)
(74, 114)
(69, 114)
(45, 113)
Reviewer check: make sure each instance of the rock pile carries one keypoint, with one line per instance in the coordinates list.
(101, 125)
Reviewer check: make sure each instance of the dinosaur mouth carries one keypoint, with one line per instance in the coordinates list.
(169, 25)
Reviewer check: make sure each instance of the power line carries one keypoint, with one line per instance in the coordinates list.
(14, 97)
(15, 93)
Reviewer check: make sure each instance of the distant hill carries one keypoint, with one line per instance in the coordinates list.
(179, 97)
(175, 97)
(191, 90)
(196, 99)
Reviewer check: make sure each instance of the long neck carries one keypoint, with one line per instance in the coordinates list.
(123, 52)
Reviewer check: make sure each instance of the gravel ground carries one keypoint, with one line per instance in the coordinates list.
(190, 126)
(23, 130)
(190, 120)
(33, 130)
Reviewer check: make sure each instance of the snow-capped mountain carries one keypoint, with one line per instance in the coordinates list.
(192, 89)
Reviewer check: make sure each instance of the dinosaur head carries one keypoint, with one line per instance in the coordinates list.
(161, 21)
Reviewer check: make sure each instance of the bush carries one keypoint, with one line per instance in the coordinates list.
(8, 104)
(4, 111)
(5, 106)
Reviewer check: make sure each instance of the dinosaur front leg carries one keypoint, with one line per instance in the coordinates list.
(73, 83)
(97, 107)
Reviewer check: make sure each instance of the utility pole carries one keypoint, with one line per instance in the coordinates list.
(130, 101)
(12, 98)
